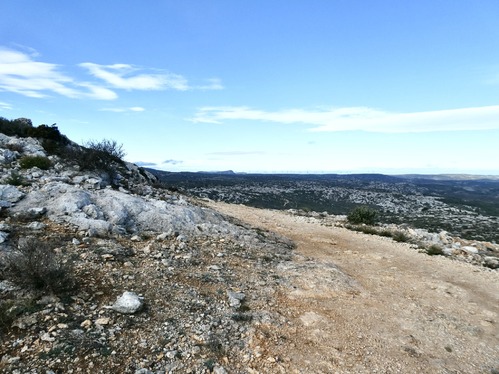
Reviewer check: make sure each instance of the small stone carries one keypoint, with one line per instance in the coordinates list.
(36, 226)
(128, 303)
(235, 298)
(103, 321)
(162, 236)
(470, 250)
(143, 371)
(47, 338)
(219, 370)
(135, 238)
(171, 354)
(86, 324)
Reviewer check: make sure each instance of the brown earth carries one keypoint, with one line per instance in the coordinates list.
(356, 303)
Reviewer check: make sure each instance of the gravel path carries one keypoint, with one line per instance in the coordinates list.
(364, 304)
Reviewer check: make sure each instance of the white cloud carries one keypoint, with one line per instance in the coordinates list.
(5, 106)
(362, 118)
(173, 162)
(125, 77)
(213, 84)
(123, 110)
(19, 73)
(22, 74)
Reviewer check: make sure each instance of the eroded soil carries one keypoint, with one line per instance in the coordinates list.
(357, 303)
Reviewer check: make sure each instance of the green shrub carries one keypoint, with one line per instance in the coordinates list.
(34, 265)
(15, 179)
(400, 236)
(362, 214)
(435, 250)
(28, 162)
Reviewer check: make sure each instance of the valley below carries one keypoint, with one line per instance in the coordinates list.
(464, 206)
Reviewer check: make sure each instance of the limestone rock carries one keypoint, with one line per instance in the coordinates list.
(128, 303)
(235, 298)
(10, 194)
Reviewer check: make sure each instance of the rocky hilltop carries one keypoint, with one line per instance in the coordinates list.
(154, 282)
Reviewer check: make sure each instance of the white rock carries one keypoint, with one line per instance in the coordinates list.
(3, 236)
(10, 193)
(7, 156)
(470, 250)
(235, 298)
(36, 226)
(219, 370)
(128, 303)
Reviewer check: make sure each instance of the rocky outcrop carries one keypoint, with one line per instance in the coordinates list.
(105, 211)
(180, 264)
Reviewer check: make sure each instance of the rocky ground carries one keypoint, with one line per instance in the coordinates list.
(161, 283)
(359, 303)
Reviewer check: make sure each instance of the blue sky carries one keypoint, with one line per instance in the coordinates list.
(263, 85)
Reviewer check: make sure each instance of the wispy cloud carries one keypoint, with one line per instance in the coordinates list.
(172, 162)
(128, 77)
(5, 106)
(21, 74)
(212, 84)
(362, 118)
(123, 110)
(145, 163)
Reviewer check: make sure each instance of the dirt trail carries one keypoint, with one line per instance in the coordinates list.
(356, 303)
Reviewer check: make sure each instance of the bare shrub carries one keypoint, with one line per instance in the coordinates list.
(111, 148)
(105, 155)
(34, 265)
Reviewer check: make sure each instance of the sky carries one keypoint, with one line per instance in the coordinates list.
(303, 86)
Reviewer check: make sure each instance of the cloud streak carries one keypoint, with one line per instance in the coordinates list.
(127, 77)
(124, 110)
(20, 73)
(5, 106)
(362, 118)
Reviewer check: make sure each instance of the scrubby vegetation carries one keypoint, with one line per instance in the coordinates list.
(34, 265)
(104, 155)
(51, 138)
(28, 162)
(15, 179)
(362, 214)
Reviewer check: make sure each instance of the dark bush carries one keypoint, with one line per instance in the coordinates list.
(362, 214)
(400, 236)
(34, 265)
(19, 127)
(435, 250)
(110, 148)
(28, 162)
